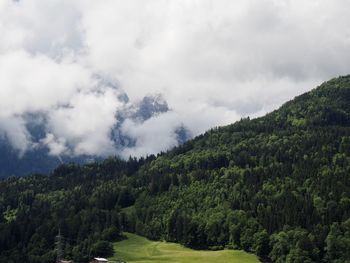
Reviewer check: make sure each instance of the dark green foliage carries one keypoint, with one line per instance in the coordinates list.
(277, 186)
(111, 234)
(84, 203)
(338, 242)
(102, 248)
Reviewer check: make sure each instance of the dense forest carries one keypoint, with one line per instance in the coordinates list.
(277, 186)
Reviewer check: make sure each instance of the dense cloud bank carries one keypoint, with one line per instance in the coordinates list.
(81, 64)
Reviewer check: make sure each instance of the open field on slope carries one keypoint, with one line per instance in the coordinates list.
(141, 250)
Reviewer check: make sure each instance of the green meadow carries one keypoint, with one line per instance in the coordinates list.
(141, 250)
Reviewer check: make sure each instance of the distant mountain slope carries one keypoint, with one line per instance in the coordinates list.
(39, 160)
(277, 186)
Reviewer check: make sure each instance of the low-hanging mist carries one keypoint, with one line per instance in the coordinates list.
(81, 68)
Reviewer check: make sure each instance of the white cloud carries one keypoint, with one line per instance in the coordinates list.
(50, 27)
(250, 55)
(152, 136)
(86, 122)
(56, 146)
(13, 128)
(36, 82)
(213, 61)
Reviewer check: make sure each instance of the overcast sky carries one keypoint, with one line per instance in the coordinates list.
(212, 61)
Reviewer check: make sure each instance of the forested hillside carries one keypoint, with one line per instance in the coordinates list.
(82, 203)
(277, 186)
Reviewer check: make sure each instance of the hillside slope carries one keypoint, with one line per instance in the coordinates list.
(277, 186)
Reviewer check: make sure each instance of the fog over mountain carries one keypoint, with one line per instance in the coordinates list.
(98, 78)
(49, 145)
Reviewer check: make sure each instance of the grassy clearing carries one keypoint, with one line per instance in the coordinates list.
(141, 250)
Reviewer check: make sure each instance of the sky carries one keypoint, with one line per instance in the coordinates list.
(213, 62)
